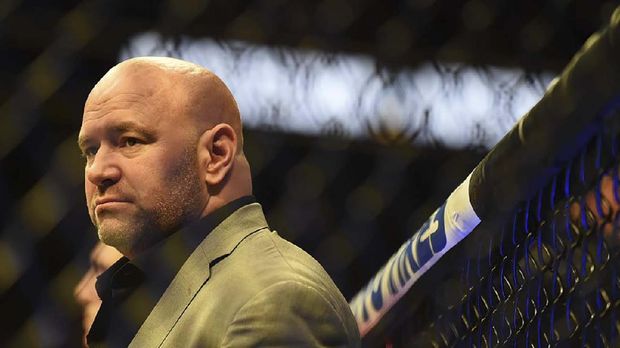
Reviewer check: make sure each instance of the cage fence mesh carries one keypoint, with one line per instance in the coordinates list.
(355, 96)
(549, 275)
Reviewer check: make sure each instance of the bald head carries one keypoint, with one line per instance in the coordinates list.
(163, 146)
(191, 89)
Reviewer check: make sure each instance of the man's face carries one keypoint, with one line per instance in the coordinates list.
(141, 173)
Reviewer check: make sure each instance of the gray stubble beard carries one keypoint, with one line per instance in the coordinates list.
(171, 212)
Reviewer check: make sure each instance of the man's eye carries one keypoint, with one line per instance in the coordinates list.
(129, 142)
(89, 152)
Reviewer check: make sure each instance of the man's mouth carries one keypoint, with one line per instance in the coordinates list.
(109, 202)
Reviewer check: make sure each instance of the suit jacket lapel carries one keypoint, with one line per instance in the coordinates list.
(195, 272)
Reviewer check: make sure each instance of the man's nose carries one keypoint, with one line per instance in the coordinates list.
(103, 171)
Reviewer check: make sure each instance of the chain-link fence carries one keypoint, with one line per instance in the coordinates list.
(542, 267)
(549, 275)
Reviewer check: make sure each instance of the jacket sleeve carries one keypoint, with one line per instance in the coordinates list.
(289, 314)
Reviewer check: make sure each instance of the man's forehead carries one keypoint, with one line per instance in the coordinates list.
(120, 115)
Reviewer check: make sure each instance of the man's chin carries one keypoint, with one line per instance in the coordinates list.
(116, 234)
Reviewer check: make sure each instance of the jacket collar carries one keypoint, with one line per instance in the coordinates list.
(196, 271)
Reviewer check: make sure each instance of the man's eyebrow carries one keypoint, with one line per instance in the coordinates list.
(124, 126)
(81, 142)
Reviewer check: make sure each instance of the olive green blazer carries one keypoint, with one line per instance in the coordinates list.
(245, 286)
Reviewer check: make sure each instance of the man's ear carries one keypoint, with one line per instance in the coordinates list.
(217, 150)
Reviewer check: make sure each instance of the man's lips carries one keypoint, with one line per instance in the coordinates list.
(109, 201)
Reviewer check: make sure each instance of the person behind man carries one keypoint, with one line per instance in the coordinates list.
(168, 185)
(85, 294)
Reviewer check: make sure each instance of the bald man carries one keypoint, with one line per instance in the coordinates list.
(168, 185)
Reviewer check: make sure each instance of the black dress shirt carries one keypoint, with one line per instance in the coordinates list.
(129, 290)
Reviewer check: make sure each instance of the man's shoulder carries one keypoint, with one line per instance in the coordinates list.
(290, 313)
(266, 275)
(266, 257)
(261, 277)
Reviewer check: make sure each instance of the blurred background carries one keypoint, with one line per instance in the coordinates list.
(361, 117)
